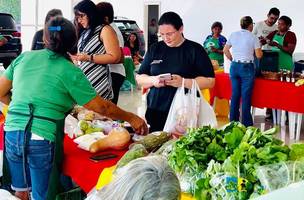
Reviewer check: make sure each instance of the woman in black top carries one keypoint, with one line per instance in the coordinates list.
(176, 55)
(133, 44)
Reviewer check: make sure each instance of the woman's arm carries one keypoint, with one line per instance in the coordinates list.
(258, 53)
(5, 90)
(215, 50)
(147, 81)
(111, 44)
(138, 55)
(203, 82)
(110, 110)
(288, 49)
(227, 52)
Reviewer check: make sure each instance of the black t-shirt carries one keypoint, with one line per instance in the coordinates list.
(38, 43)
(189, 60)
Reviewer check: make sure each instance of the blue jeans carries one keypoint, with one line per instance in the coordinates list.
(39, 158)
(242, 79)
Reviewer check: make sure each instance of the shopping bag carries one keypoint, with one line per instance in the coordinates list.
(189, 111)
(206, 114)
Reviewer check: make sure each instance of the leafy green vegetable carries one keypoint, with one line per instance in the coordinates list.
(234, 138)
(205, 156)
(297, 152)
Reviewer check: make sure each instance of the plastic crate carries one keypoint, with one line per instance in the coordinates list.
(270, 61)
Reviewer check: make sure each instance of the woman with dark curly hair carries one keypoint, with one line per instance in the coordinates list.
(97, 47)
(133, 44)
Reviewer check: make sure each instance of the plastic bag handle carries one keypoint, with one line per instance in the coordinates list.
(195, 88)
(183, 83)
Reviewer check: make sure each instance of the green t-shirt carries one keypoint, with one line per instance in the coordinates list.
(51, 83)
(213, 55)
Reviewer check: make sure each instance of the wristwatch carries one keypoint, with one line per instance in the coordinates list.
(92, 58)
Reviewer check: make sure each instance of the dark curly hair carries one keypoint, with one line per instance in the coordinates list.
(60, 36)
(89, 8)
(105, 9)
(217, 24)
(286, 19)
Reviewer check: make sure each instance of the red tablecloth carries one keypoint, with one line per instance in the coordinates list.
(80, 168)
(266, 93)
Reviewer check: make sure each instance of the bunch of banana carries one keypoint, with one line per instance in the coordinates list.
(299, 82)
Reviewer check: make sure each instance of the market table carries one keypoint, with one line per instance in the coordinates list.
(81, 169)
(85, 172)
(267, 94)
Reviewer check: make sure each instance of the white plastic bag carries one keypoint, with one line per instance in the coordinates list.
(6, 195)
(189, 111)
(71, 127)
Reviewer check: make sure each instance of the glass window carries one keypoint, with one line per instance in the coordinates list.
(44, 6)
(27, 34)
(28, 15)
(33, 14)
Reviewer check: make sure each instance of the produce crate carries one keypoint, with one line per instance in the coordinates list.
(270, 75)
(269, 61)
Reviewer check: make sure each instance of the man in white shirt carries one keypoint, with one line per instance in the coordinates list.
(263, 28)
(244, 45)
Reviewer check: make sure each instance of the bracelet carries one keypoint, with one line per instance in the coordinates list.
(92, 58)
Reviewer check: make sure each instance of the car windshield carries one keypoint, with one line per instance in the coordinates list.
(127, 25)
(7, 22)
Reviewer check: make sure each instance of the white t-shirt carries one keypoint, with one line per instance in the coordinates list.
(262, 29)
(118, 68)
(243, 44)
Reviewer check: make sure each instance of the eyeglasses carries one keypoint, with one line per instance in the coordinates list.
(169, 34)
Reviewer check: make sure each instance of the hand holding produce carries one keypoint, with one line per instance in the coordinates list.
(139, 125)
(118, 139)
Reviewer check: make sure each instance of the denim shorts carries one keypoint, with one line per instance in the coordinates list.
(39, 158)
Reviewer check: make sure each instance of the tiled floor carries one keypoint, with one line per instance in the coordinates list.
(135, 102)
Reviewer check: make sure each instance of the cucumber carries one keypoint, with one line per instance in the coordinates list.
(154, 140)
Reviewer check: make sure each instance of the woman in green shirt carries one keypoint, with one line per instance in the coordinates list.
(215, 43)
(283, 41)
(46, 85)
